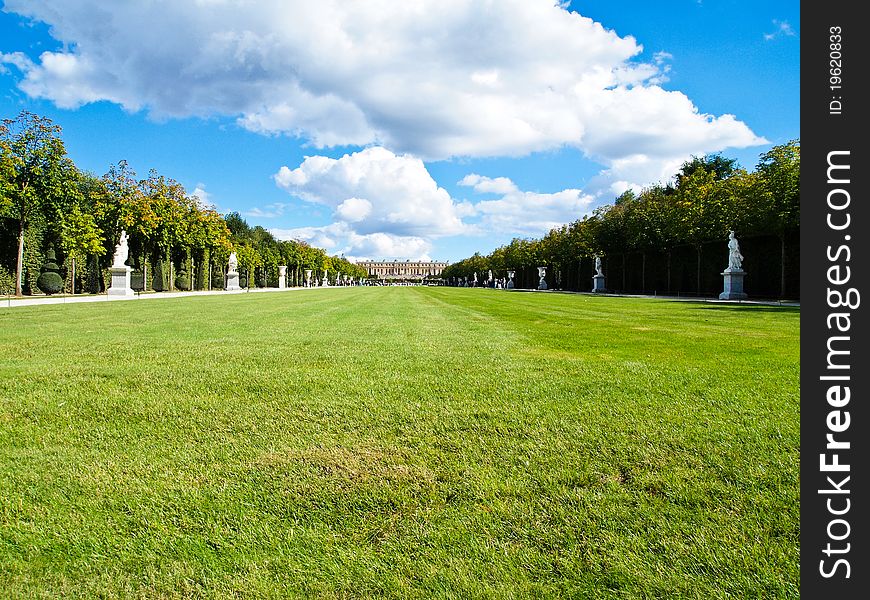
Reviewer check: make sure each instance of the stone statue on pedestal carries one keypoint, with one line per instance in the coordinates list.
(735, 259)
(120, 286)
(598, 278)
(122, 251)
(733, 274)
(233, 273)
(542, 272)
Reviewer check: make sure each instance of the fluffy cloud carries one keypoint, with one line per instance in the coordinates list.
(525, 213)
(383, 204)
(201, 195)
(377, 191)
(434, 78)
(340, 238)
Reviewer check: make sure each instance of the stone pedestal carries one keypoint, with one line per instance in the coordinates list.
(282, 276)
(733, 285)
(120, 287)
(233, 281)
(598, 283)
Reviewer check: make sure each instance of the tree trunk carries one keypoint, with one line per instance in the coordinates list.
(73, 283)
(669, 271)
(699, 269)
(643, 273)
(20, 261)
(579, 273)
(782, 265)
(623, 271)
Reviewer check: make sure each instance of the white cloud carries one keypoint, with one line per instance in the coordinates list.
(433, 78)
(384, 205)
(376, 190)
(783, 28)
(353, 210)
(202, 196)
(339, 238)
(486, 185)
(522, 212)
(270, 211)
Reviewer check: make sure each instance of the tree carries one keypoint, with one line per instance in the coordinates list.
(33, 161)
(700, 214)
(780, 170)
(79, 236)
(715, 164)
(120, 202)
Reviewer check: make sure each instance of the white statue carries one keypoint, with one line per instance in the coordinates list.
(233, 264)
(598, 265)
(734, 257)
(122, 251)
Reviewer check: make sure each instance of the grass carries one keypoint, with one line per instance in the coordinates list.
(399, 442)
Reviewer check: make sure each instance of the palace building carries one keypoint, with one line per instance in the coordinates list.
(407, 269)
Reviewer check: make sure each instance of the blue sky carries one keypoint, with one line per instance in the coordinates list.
(406, 130)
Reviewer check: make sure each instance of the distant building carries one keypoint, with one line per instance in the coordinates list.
(403, 269)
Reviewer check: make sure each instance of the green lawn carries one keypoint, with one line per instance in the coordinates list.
(399, 442)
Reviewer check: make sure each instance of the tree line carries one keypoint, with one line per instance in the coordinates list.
(49, 208)
(709, 196)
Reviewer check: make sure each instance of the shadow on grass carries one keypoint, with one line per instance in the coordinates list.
(746, 307)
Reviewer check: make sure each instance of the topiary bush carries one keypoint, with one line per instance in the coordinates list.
(137, 280)
(182, 281)
(158, 283)
(50, 282)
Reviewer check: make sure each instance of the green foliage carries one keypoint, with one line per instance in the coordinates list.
(80, 235)
(182, 277)
(718, 165)
(780, 172)
(201, 272)
(7, 281)
(137, 280)
(32, 257)
(158, 273)
(49, 281)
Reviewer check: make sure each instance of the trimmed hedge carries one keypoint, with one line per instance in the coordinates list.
(49, 281)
